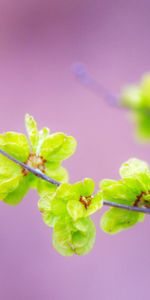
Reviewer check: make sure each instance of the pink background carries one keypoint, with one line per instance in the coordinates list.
(39, 41)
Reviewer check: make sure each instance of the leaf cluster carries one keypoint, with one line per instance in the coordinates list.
(68, 208)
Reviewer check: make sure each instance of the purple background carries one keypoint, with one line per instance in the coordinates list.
(39, 41)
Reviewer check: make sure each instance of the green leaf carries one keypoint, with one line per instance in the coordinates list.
(106, 183)
(132, 167)
(54, 200)
(45, 188)
(68, 240)
(47, 207)
(45, 202)
(32, 131)
(95, 205)
(90, 239)
(133, 189)
(143, 180)
(49, 218)
(8, 168)
(15, 144)
(51, 145)
(117, 191)
(75, 209)
(65, 251)
(68, 148)
(66, 192)
(62, 237)
(63, 196)
(82, 224)
(60, 174)
(134, 184)
(10, 176)
(8, 185)
(116, 220)
(16, 196)
(58, 207)
(43, 134)
(58, 147)
(79, 239)
(85, 187)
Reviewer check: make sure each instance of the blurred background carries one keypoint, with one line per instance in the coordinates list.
(39, 42)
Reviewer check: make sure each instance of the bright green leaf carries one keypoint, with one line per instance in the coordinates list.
(75, 209)
(32, 131)
(96, 204)
(132, 167)
(58, 147)
(60, 174)
(49, 219)
(15, 197)
(85, 187)
(118, 192)
(52, 145)
(15, 144)
(116, 220)
(67, 240)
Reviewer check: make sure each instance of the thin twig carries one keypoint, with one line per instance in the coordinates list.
(36, 172)
(87, 80)
(43, 176)
(127, 207)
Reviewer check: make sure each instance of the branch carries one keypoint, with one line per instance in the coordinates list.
(93, 85)
(127, 207)
(36, 172)
(87, 80)
(43, 176)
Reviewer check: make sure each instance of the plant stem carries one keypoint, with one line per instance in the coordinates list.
(43, 176)
(86, 79)
(127, 207)
(93, 85)
(36, 172)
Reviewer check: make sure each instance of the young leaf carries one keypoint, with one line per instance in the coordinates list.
(85, 187)
(116, 220)
(16, 196)
(15, 144)
(58, 147)
(69, 240)
(32, 131)
(132, 167)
